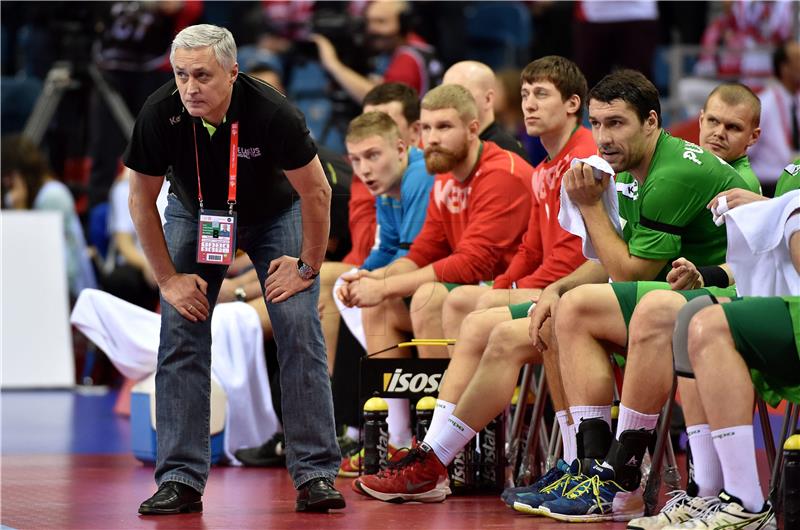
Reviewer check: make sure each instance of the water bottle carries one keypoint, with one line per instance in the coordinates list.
(491, 463)
(425, 408)
(376, 435)
(791, 484)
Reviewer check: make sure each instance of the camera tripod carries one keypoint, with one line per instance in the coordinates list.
(59, 80)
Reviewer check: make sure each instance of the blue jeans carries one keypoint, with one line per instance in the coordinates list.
(183, 384)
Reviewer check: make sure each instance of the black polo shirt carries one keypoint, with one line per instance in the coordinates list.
(497, 134)
(272, 137)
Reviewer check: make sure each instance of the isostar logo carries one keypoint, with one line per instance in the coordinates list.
(400, 381)
(489, 447)
(460, 468)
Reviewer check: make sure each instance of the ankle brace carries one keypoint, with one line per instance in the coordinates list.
(625, 456)
(593, 439)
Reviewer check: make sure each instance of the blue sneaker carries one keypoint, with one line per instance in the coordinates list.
(530, 502)
(509, 494)
(596, 497)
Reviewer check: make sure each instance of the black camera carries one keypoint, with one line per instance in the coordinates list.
(346, 34)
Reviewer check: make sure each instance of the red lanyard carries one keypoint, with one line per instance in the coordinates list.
(232, 166)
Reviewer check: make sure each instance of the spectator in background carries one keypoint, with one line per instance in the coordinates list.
(735, 46)
(780, 116)
(480, 80)
(389, 31)
(28, 184)
(132, 55)
(615, 34)
(127, 273)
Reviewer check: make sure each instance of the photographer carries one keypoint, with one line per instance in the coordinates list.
(389, 32)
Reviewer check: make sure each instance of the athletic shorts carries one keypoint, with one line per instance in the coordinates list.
(447, 285)
(629, 294)
(762, 330)
(520, 310)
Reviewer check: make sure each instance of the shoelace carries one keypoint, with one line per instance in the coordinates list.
(562, 483)
(709, 511)
(679, 498)
(582, 487)
(414, 455)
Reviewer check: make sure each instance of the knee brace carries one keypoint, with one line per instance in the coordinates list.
(680, 336)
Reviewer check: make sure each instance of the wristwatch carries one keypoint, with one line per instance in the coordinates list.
(240, 294)
(305, 270)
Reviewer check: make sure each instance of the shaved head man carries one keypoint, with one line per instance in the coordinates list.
(480, 80)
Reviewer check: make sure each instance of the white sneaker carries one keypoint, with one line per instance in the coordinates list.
(730, 516)
(680, 508)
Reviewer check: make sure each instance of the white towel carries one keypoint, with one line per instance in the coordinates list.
(350, 315)
(129, 336)
(758, 250)
(570, 216)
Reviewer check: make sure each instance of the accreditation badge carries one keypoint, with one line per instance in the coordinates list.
(216, 237)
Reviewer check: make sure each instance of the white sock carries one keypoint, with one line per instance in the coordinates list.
(737, 456)
(352, 432)
(567, 436)
(399, 421)
(442, 411)
(451, 439)
(631, 420)
(707, 469)
(588, 412)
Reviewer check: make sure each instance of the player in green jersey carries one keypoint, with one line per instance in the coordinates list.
(664, 185)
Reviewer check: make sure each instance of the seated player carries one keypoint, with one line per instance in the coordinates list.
(624, 112)
(663, 200)
(395, 174)
(476, 217)
(553, 90)
(728, 126)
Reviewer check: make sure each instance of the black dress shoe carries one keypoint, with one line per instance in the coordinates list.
(318, 495)
(271, 453)
(172, 497)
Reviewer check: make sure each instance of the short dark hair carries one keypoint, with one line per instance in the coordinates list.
(737, 94)
(403, 94)
(19, 154)
(563, 73)
(632, 87)
(780, 56)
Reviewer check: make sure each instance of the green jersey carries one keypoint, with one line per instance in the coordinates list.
(789, 179)
(666, 216)
(742, 167)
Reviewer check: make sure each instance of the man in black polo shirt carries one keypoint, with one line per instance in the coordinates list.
(241, 156)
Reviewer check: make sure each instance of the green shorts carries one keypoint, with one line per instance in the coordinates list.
(629, 294)
(520, 310)
(447, 285)
(764, 336)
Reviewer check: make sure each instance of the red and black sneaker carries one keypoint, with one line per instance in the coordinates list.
(418, 477)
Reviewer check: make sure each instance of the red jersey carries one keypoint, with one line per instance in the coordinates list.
(362, 221)
(548, 252)
(473, 228)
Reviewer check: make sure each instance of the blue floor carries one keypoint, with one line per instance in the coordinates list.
(61, 422)
(70, 422)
